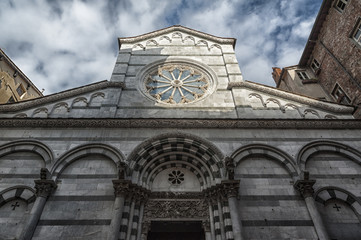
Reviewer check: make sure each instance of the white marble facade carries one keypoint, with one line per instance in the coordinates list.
(193, 151)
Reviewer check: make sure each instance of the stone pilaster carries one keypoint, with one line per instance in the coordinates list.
(230, 189)
(44, 188)
(121, 187)
(305, 187)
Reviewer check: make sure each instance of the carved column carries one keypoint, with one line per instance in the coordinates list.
(121, 187)
(207, 230)
(231, 191)
(43, 188)
(306, 189)
(209, 200)
(145, 230)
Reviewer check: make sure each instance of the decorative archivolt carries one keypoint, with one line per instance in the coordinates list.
(39, 111)
(327, 146)
(177, 148)
(85, 150)
(267, 151)
(28, 146)
(289, 105)
(95, 95)
(177, 35)
(138, 45)
(60, 105)
(21, 115)
(78, 100)
(325, 194)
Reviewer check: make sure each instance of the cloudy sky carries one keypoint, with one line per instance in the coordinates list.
(65, 44)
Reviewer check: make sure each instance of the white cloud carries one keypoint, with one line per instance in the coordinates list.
(65, 44)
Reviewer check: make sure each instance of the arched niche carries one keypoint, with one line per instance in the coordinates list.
(330, 150)
(15, 206)
(340, 211)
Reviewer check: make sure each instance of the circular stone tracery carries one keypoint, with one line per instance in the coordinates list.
(176, 177)
(176, 84)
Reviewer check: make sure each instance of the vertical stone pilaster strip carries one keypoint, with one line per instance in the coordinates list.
(231, 191)
(221, 220)
(306, 189)
(217, 224)
(135, 222)
(227, 221)
(125, 218)
(120, 189)
(211, 221)
(130, 219)
(140, 222)
(43, 188)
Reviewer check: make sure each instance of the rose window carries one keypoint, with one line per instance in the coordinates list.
(176, 84)
(176, 177)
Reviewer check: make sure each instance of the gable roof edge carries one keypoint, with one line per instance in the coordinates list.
(180, 28)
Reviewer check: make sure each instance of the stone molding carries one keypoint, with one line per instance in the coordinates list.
(333, 107)
(183, 123)
(305, 187)
(174, 28)
(227, 189)
(44, 187)
(59, 96)
(128, 189)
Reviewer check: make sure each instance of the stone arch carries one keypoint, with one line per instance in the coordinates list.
(83, 151)
(327, 146)
(267, 151)
(24, 193)
(196, 154)
(28, 146)
(341, 212)
(325, 194)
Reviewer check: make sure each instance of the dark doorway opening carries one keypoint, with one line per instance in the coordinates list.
(176, 230)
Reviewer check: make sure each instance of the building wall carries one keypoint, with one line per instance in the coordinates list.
(267, 162)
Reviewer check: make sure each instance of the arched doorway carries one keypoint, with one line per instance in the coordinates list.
(178, 171)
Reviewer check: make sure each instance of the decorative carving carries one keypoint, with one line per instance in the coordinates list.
(59, 96)
(230, 167)
(176, 209)
(282, 108)
(314, 112)
(291, 96)
(206, 225)
(290, 105)
(230, 188)
(121, 170)
(180, 29)
(176, 84)
(44, 187)
(305, 186)
(138, 45)
(176, 177)
(184, 123)
(256, 95)
(127, 188)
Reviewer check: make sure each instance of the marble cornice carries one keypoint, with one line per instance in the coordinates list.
(179, 28)
(333, 107)
(59, 96)
(182, 123)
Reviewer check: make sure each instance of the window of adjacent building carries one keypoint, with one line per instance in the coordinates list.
(20, 90)
(357, 33)
(341, 4)
(339, 94)
(302, 75)
(11, 100)
(315, 65)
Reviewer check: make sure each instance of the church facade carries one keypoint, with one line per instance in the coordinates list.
(178, 146)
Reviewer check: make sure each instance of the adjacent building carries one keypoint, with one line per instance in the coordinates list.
(15, 86)
(330, 66)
